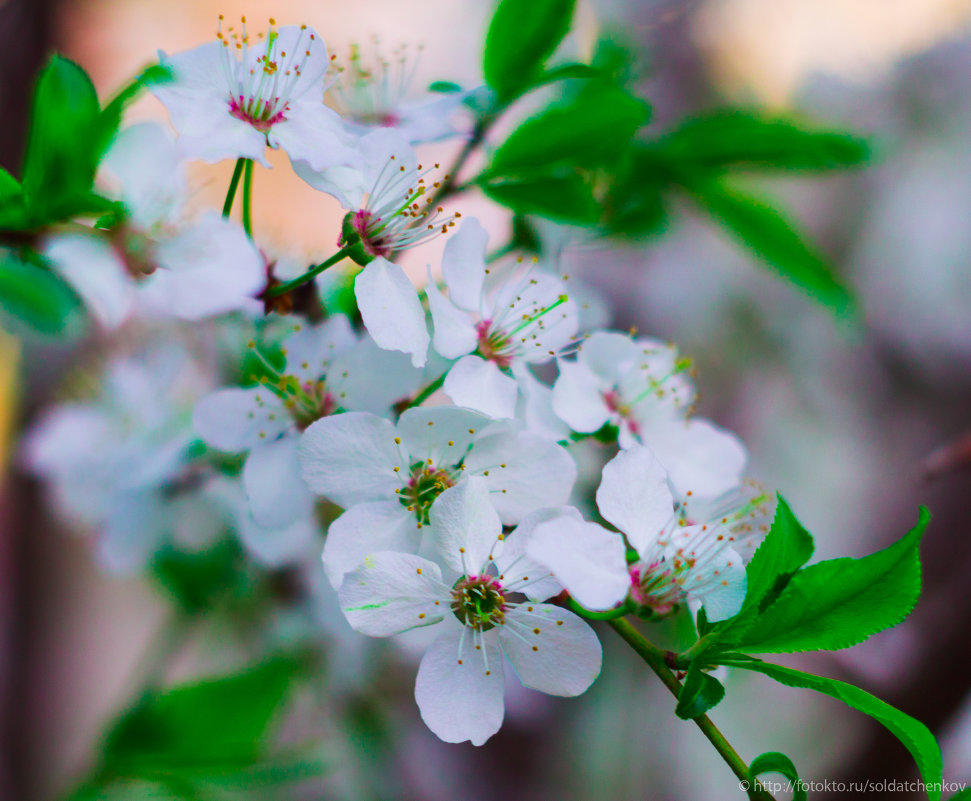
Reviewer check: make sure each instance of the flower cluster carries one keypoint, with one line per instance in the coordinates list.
(435, 426)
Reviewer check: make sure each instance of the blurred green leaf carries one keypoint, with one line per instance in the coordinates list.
(634, 205)
(216, 725)
(199, 581)
(737, 138)
(521, 36)
(699, 693)
(592, 129)
(9, 187)
(915, 736)
(772, 237)
(37, 297)
(62, 145)
(444, 87)
(774, 762)
(841, 602)
(566, 198)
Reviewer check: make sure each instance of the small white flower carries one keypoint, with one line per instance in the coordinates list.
(377, 92)
(677, 562)
(327, 369)
(485, 599)
(496, 322)
(234, 97)
(643, 387)
(387, 477)
(154, 256)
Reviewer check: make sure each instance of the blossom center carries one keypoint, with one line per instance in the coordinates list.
(479, 602)
(423, 486)
(655, 586)
(494, 344)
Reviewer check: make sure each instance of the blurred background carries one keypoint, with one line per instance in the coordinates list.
(857, 426)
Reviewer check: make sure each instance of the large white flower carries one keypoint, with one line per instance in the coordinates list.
(643, 387)
(327, 369)
(388, 477)
(496, 322)
(678, 562)
(373, 91)
(233, 97)
(485, 599)
(154, 256)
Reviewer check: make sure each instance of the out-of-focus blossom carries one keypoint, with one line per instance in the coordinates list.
(154, 256)
(642, 387)
(388, 477)
(328, 369)
(474, 598)
(234, 97)
(678, 563)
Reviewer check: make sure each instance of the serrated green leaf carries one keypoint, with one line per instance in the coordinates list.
(565, 198)
(699, 693)
(592, 129)
(774, 762)
(841, 602)
(770, 235)
(521, 36)
(37, 297)
(62, 145)
(742, 139)
(217, 724)
(915, 736)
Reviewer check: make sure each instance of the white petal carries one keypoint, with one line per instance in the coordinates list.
(209, 268)
(477, 384)
(578, 397)
(144, 160)
(458, 696)
(276, 491)
(716, 576)
(700, 457)
(236, 420)
(635, 497)
(463, 264)
(274, 547)
(589, 561)
(371, 379)
(520, 571)
(455, 333)
(350, 458)
(551, 649)
(311, 350)
(391, 310)
(725, 598)
(89, 264)
(466, 527)
(536, 406)
(365, 529)
(392, 592)
(608, 355)
(313, 134)
(440, 433)
(525, 472)
(133, 532)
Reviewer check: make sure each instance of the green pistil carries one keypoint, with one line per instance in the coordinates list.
(424, 486)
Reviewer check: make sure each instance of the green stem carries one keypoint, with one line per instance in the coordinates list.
(233, 185)
(428, 391)
(313, 272)
(248, 197)
(610, 614)
(655, 659)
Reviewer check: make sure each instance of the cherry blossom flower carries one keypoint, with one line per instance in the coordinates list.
(485, 598)
(233, 97)
(496, 322)
(327, 369)
(697, 563)
(154, 256)
(388, 477)
(642, 386)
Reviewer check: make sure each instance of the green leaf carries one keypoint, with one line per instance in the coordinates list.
(700, 692)
(592, 129)
(62, 146)
(37, 297)
(567, 198)
(444, 87)
(915, 736)
(212, 725)
(774, 762)
(9, 187)
(110, 120)
(521, 36)
(199, 581)
(634, 205)
(736, 138)
(563, 72)
(840, 602)
(963, 795)
(772, 237)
